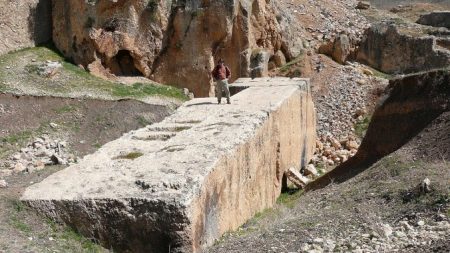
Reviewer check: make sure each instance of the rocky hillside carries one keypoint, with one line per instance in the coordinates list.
(408, 106)
(178, 42)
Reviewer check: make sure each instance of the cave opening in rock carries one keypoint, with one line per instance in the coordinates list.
(122, 64)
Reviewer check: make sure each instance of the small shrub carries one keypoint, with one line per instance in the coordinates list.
(20, 225)
(289, 198)
(362, 126)
(142, 121)
(130, 156)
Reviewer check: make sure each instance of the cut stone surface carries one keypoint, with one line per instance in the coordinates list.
(181, 183)
(296, 178)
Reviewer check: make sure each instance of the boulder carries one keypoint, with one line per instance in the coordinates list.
(436, 19)
(3, 184)
(425, 186)
(363, 5)
(385, 48)
(311, 170)
(279, 59)
(296, 178)
(339, 49)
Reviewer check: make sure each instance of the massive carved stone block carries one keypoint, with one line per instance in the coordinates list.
(182, 183)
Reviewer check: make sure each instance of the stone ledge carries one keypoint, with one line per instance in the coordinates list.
(185, 181)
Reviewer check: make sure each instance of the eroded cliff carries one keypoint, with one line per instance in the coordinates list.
(172, 42)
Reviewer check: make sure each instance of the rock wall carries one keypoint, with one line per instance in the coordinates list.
(174, 42)
(24, 23)
(387, 49)
(180, 184)
(408, 106)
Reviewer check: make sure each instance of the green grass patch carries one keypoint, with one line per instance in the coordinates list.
(86, 244)
(97, 145)
(380, 74)
(285, 68)
(139, 90)
(362, 126)
(17, 138)
(65, 109)
(130, 156)
(19, 225)
(71, 80)
(396, 166)
(289, 198)
(18, 205)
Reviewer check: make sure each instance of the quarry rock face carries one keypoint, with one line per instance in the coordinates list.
(436, 19)
(172, 42)
(409, 105)
(178, 185)
(387, 49)
(24, 23)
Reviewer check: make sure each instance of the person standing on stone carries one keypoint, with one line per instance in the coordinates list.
(221, 73)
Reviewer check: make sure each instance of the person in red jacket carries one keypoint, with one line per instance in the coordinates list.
(221, 73)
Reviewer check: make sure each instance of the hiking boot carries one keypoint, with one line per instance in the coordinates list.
(218, 101)
(228, 102)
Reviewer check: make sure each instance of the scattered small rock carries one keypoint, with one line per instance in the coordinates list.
(3, 184)
(41, 152)
(387, 230)
(49, 68)
(425, 186)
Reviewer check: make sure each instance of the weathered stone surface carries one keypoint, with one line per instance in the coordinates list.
(385, 48)
(201, 172)
(437, 19)
(296, 178)
(172, 42)
(24, 23)
(340, 48)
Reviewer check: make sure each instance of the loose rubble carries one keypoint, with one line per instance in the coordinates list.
(36, 155)
(49, 68)
(345, 105)
(386, 238)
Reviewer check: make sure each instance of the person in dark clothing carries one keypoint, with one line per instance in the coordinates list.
(221, 73)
